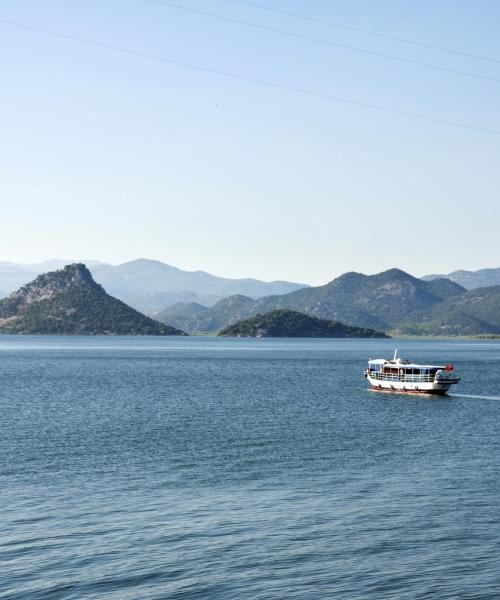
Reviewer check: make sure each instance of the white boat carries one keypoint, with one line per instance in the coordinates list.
(399, 375)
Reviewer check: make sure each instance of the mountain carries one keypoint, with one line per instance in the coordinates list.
(202, 319)
(14, 275)
(290, 323)
(471, 280)
(150, 285)
(69, 301)
(474, 313)
(379, 301)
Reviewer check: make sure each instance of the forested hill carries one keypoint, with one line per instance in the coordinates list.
(290, 323)
(69, 301)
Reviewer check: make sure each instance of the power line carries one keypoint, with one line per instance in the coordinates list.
(262, 82)
(323, 41)
(367, 31)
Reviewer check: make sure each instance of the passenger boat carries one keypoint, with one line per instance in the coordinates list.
(399, 375)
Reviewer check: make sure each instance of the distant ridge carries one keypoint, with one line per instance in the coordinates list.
(69, 301)
(471, 280)
(290, 323)
(476, 312)
(151, 285)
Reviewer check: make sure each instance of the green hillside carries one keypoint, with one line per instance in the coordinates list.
(289, 323)
(474, 313)
(195, 318)
(69, 301)
(381, 302)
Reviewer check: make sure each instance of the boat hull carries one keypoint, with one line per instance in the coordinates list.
(427, 387)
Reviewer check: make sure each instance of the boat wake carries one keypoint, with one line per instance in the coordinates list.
(474, 397)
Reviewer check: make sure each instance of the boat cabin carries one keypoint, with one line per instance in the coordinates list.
(401, 370)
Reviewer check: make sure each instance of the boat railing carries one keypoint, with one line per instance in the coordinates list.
(425, 378)
(405, 377)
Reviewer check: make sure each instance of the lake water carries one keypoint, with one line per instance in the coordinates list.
(148, 468)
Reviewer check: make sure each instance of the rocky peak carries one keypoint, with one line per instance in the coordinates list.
(69, 301)
(48, 285)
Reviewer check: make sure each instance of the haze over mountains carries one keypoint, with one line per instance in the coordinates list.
(150, 285)
(471, 280)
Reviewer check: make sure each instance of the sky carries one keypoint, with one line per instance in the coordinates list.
(112, 155)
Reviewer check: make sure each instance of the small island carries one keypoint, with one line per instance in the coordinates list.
(290, 323)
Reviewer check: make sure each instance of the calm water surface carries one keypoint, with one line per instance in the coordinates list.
(148, 468)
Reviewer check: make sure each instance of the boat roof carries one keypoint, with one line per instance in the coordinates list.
(383, 361)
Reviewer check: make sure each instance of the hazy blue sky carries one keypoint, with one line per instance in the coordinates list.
(112, 156)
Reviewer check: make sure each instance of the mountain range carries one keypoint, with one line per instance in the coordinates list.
(150, 285)
(392, 301)
(69, 301)
(471, 280)
(475, 312)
